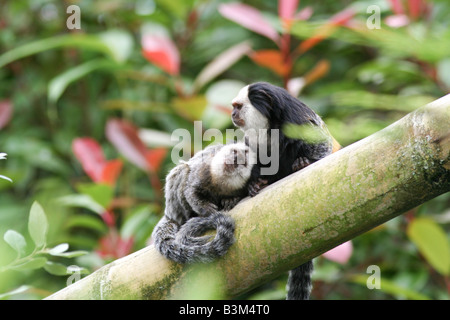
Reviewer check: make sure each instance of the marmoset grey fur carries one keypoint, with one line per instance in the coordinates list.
(198, 192)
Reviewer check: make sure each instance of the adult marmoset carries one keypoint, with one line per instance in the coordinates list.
(198, 193)
(264, 112)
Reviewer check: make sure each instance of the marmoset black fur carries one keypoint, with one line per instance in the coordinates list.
(258, 109)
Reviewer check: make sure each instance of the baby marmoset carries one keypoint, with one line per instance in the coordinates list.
(263, 111)
(197, 194)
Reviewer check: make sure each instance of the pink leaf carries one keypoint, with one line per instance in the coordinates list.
(249, 18)
(340, 254)
(124, 136)
(161, 51)
(295, 86)
(304, 14)
(342, 17)
(287, 8)
(124, 247)
(397, 20)
(221, 63)
(5, 112)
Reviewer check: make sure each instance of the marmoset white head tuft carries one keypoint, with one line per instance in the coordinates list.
(245, 115)
(232, 165)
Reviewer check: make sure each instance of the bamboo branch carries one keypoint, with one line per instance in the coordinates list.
(302, 216)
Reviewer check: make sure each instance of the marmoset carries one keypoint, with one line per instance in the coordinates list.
(261, 107)
(198, 193)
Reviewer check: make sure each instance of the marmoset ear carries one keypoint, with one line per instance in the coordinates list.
(268, 96)
(262, 98)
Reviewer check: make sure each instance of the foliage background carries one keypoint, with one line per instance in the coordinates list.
(86, 117)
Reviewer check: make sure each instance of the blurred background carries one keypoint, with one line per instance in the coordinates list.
(91, 91)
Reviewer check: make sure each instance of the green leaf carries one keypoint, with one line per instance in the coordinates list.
(72, 254)
(368, 100)
(139, 223)
(58, 85)
(87, 221)
(178, 8)
(432, 242)
(63, 247)
(391, 288)
(81, 41)
(443, 70)
(5, 178)
(37, 224)
(83, 201)
(16, 241)
(119, 42)
(306, 132)
(61, 251)
(32, 264)
(14, 292)
(56, 269)
(100, 193)
(38, 153)
(76, 269)
(190, 107)
(395, 41)
(219, 96)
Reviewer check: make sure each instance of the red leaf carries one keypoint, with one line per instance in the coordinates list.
(108, 218)
(339, 19)
(249, 18)
(123, 135)
(5, 112)
(111, 171)
(287, 8)
(162, 52)
(319, 70)
(91, 157)
(396, 6)
(271, 59)
(155, 157)
(415, 8)
(114, 246)
(309, 43)
(106, 247)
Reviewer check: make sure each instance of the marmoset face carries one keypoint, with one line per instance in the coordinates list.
(232, 165)
(245, 115)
